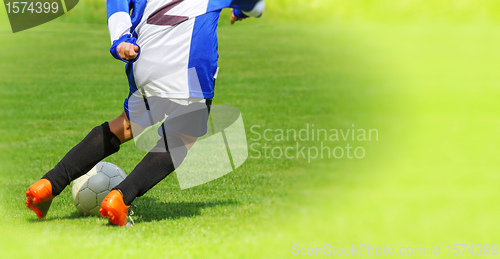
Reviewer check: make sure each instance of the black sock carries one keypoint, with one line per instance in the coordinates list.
(153, 168)
(97, 145)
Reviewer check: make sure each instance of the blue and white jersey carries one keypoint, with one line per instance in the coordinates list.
(178, 42)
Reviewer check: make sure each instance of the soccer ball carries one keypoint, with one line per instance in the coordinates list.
(90, 189)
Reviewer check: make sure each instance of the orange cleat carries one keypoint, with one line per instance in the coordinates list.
(39, 197)
(113, 208)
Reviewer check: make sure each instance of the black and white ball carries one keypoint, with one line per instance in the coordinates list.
(90, 189)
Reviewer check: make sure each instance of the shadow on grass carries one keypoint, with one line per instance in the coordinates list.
(73, 215)
(148, 209)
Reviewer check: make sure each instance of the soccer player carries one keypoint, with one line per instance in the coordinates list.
(170, 47)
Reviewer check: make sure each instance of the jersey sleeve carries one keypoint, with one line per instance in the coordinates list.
(121, 23)
(256, 11)
(248, 8)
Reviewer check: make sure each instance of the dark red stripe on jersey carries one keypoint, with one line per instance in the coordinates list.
(160, 17)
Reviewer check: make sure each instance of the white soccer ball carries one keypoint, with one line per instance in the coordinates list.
(90, 189)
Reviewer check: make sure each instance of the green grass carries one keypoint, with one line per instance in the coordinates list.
(429, 86)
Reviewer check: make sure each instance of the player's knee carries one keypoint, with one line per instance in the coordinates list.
(120, 126)
(177, 150)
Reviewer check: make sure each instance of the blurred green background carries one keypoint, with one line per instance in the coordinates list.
(423, 73)
(321, 10)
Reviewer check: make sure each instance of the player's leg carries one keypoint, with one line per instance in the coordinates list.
(101, 142)
(152, 169)
(120, 126)
(185, 123)
(168, 154)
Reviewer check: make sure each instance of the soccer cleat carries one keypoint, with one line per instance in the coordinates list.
(39, 197)
(113, 208)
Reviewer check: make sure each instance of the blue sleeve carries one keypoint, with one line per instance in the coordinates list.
(136, 8)
(243, 5)
(115, 6)
(239, 14)
(125, 38)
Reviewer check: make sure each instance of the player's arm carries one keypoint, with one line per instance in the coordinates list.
(243, 9)
(121, 25)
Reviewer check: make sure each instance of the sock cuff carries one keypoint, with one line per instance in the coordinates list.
(110, 136)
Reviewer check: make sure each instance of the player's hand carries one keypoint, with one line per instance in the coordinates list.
(234, 18)
(127, 51)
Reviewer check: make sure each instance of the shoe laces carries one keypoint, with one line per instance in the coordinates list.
(130, 213)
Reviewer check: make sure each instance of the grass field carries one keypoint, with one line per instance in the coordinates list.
(429, 86)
